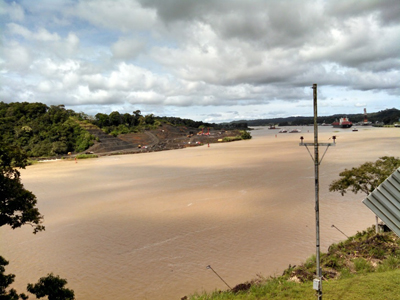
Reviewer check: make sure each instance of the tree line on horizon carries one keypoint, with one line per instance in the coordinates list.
(387, 117)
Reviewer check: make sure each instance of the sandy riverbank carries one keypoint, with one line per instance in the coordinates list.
(146, 226)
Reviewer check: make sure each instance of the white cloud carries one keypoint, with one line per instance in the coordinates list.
(13, 10)
(148, 97)
(182, 55)
(17, 57)
(361, 104)
(50, 68)
(40, 35)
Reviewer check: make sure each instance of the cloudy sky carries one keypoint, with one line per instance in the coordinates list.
(208, 60)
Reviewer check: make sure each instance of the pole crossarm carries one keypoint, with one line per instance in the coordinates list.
(318, 144)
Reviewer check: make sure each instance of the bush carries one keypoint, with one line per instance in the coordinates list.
(231, 138)
(245, 135)
(363, 266)
(391, 263)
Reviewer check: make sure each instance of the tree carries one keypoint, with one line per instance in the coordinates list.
(17, 208)
(127, 119)
(365, 178)
(136, 117)
(245, 135)
(17, 205)
(5, 281)
(35, 128)
(115, 118)
(52, 287)
(149, 119)
(101, 120)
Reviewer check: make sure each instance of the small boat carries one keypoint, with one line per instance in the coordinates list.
(282, 131)
(294, 130)
(355, 129)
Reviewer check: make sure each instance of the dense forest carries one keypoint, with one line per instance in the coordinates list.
(116, 123)
(40, 130)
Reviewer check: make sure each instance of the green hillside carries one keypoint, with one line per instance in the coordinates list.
(40, 130)
(365, 266)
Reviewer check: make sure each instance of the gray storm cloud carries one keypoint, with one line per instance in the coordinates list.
(185, 52)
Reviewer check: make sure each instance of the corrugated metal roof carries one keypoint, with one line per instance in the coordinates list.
(384, 201)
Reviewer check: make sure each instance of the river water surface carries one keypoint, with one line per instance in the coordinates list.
(146, 226)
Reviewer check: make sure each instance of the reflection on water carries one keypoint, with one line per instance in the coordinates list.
(146, 226)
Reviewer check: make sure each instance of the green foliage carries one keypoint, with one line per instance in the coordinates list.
(365, 178)
(5, 281)
(85, 156)
(40, 130)
(245, 135)
(83, 141)
(391, 263)
(52, 287)
(17, 205)
(310, 262)
(116, 124)
(351, 264)
(17, 208)
(361, 265)
(231, 138)
(371, 286)
(332, 261)
(43, 131)
(174, 121)
(345, 273)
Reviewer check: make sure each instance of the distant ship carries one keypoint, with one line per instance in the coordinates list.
(342, 123)
(273, 126)
(366, 122)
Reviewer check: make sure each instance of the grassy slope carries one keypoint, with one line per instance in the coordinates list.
(366, 266)
(371, 286)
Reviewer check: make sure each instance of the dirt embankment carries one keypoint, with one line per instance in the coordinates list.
(166, 137)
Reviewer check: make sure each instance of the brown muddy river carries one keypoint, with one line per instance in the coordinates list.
(146, 226)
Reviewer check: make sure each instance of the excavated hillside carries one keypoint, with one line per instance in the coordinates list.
(166, 137)
(106, 143)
